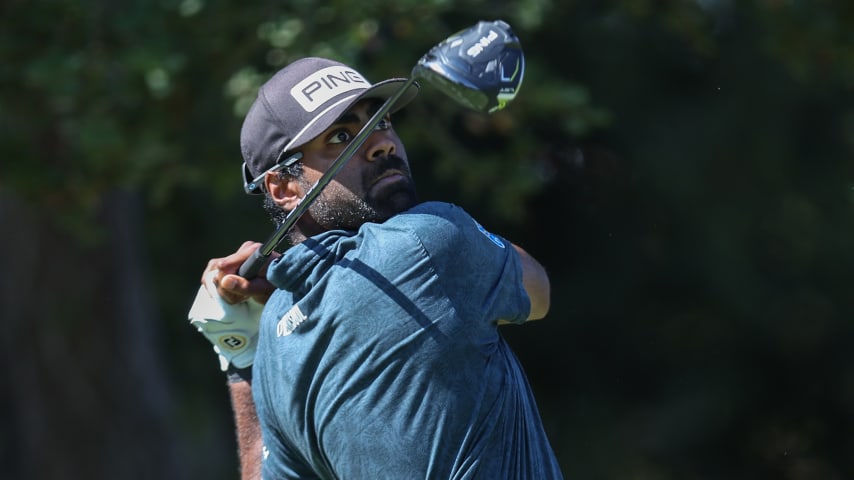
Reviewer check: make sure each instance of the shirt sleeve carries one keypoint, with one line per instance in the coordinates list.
(481, 271)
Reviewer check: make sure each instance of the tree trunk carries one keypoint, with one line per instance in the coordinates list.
(85, 395)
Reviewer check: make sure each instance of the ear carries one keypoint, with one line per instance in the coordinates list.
(285, 190)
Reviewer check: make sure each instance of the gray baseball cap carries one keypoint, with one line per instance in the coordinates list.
(297, 104)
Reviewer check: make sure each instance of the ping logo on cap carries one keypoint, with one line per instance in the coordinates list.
(322, 85)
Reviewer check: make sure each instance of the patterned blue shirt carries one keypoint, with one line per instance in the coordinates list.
(379, 356)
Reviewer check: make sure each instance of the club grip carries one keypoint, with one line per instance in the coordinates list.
(250, 268)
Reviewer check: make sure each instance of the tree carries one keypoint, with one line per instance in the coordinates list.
(681, 167)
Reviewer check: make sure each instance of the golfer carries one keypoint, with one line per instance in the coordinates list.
(378, 354)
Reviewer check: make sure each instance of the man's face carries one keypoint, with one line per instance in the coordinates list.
(375, 183)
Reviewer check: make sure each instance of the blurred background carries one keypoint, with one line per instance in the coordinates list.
(683, 168)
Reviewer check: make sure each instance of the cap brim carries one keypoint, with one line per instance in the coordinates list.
(381, 90)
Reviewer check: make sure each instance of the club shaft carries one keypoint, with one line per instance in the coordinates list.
(250, 268)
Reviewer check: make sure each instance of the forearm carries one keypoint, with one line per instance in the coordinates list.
(536, 283)
(249, 441)
(227, 303)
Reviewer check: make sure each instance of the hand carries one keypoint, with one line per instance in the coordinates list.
(227, 308)
(232, 287)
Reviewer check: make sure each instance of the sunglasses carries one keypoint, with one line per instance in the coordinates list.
(255, 186)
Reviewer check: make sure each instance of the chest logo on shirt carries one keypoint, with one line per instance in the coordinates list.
(494, 238)
(290, 321)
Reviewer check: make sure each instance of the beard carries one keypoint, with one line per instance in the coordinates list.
(339, 208)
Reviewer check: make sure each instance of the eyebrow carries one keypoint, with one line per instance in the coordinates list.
(350, 117)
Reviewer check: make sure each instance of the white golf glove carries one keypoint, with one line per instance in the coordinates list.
(232, 329)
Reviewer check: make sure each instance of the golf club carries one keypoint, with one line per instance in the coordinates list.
(480, 67)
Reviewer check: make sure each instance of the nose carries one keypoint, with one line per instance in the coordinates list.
(380, 144)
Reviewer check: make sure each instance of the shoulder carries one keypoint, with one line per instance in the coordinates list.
(433, 216)
(430, 222)
(441, 226)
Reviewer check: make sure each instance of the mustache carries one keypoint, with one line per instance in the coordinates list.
(386, 163)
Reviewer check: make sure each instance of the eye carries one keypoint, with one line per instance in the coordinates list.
(384, 124)
(344, 135)
(340, 136)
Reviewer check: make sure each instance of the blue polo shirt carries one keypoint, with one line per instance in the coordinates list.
(379, 356)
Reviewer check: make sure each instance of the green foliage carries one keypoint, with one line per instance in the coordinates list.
(683, 168)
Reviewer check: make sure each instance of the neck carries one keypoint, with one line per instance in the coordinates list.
(304, 228)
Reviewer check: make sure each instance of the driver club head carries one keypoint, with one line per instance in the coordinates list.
(481, 67)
